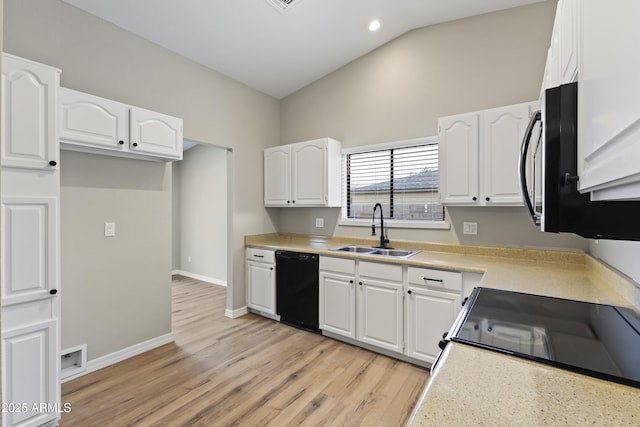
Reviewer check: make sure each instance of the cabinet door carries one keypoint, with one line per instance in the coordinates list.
(552, 65)
(608, 93)
(29, 119)
(155, 134)
(261, 287)
(30, 374)
(458, 146)
(503, 130)
(429, 314)
(277, 176)
(29, 236)
(90, 120)
(380, 314)
(567, 40)
(309, 173)
(337, 304)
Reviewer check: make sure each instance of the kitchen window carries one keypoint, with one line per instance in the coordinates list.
(401, 176)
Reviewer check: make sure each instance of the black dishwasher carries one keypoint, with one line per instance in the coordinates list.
(297, 289)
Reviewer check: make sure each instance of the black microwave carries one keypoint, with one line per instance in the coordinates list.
(550, 148)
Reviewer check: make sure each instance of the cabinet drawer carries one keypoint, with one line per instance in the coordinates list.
(340, 265)
(438, 279)
(260, 255)
(379, 270)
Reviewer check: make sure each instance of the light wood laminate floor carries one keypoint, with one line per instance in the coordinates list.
(249, 371)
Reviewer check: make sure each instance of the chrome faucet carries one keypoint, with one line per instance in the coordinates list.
(384, 242)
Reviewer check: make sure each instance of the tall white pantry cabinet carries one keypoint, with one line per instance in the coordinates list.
(30, 244)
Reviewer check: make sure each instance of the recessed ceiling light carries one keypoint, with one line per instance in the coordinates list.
(375, 25)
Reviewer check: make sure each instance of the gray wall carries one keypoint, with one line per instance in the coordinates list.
(176, 215)
(622, 255)
(201, 209)
(116, 290)
(398, 92)
(99, 58)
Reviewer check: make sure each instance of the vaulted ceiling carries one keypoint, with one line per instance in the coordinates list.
(279, 46)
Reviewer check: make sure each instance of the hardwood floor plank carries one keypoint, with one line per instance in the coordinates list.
(249, 371)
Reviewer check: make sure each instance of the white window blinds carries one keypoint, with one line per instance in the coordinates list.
(403, 180)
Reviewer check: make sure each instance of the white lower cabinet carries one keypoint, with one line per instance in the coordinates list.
(433, 301)
(397, 308)
(261, 283)
(31, 385)
(380, 307)
(338, 296)
(429, 314)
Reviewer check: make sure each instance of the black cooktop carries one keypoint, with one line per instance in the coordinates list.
(593, 339)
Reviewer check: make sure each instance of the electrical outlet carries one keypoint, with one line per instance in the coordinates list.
(319, 222)
(470, 228)
(109, 229)
(189, 258)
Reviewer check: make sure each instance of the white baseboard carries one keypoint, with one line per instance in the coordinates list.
(120, 355)
(236, 313)
(200, 277)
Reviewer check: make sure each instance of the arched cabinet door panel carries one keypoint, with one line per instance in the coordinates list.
(155, 133)
(90, 120)
(29, 100)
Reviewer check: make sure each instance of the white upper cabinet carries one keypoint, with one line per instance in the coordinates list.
(155, 134)
(608, 94)
(568, 41)
(591, 44)
(277, 173)
(303, 174)
(479, 155)
(90, 120)
(101, 126)
(458, 146)
(562, 57)
(29, 93)
(503, 130)
(309, 173)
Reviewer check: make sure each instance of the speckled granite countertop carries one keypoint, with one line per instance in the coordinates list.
(476, 387)
(571, 275)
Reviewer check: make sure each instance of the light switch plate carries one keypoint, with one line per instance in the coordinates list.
(319, 222)
(109, 229)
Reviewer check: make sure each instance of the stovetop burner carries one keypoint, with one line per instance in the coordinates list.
(593, 339)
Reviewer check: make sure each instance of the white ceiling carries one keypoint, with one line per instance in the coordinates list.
(279, 53)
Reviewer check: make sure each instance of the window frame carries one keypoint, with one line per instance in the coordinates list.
(390, 223)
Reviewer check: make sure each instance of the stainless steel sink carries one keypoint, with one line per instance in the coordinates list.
(396, 253)
(355, 249)
(368, 250)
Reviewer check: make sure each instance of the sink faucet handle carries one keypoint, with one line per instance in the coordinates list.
(373, 229)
